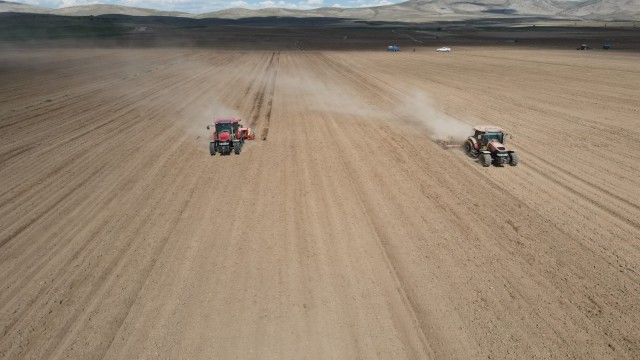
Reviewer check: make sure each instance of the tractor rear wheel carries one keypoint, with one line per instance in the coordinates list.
(513, 159)
(212, 149)
(468, 148)
(486, 160)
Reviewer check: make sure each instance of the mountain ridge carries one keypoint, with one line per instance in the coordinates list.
(408, 11)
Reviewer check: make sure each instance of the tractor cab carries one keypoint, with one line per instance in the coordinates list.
(224, 127)
(230, 126)
(493, 136)
(486, 134)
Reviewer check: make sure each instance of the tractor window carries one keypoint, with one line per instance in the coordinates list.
(224, 127)
(493, 137)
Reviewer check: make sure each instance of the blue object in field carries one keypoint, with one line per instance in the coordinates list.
(393, 48)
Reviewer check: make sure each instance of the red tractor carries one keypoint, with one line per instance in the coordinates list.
(227, 136)
(487, 143)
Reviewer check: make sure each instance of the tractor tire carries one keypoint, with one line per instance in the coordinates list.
(513, 159)
(212, 149)
(468, 148)
(486, 160)
(237, 148)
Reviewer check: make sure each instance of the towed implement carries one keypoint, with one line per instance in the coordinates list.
(247, 133)
(449, 143)
(228, 135)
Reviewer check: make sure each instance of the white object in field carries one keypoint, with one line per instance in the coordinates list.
(443, 49)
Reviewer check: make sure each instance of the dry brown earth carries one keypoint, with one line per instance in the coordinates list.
(347, 234)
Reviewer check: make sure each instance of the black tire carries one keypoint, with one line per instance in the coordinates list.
(212, 149)
(468, 148)
(513, 159)
(236, 148)
(486, 160)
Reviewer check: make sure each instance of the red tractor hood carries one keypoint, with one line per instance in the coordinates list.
(224, 136)
(496, 146)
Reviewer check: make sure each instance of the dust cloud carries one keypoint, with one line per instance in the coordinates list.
(416, 108)
(323, 97)
(420, 110)
(326, 97)
(200, 115)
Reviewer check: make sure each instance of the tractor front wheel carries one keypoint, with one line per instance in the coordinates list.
(486, 160)
(212, 149)
(236, 148)
(513, 159)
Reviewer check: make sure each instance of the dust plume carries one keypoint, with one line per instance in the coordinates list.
(421, 110)
(325, 96)
(199, 115)
(416, 108)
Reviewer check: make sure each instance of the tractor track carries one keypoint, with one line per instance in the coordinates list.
(260, 113)
(627, 270)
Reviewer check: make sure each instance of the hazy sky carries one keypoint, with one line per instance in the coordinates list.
(200, 6)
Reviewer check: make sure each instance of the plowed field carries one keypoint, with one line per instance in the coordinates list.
(344, 231)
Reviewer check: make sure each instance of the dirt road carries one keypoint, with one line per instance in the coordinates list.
(347, 233)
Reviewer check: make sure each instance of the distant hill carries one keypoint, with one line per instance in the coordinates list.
(608, 10)
(98, 9)
(409, 11)
(7, 6)
(432, 10)
(86, 10)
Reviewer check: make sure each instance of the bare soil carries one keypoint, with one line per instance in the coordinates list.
(347, 233)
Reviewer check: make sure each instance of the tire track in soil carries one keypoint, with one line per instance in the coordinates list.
(583, 181)
(48, 209)
(125, 106)
(59, 203)
(194, 180)
(260, 113)
(426, 169)
(391, 262)
(117, 261)
(27, 277)
(93, 303)
(15, 152)
(556, 293)
(422, 321)
(73, 258)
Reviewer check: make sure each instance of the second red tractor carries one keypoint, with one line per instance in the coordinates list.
(487, 143)
(228, 135)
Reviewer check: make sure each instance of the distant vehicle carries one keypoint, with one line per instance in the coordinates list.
(443, 49)
(393, 48)
(583, 47)
(606, 46)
